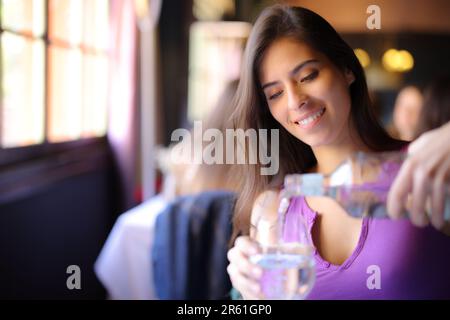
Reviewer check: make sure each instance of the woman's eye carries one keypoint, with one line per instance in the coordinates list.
(310, 77)
(275, 95)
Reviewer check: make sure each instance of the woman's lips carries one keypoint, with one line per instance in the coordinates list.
(311, 120)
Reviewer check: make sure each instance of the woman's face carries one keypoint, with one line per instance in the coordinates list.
(306, 93)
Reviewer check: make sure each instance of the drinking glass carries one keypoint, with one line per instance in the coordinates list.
(286, 253)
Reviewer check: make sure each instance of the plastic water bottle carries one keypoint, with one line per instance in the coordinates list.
(360, 184)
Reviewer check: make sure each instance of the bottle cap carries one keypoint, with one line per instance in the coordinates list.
(308, 184)
(312, 184)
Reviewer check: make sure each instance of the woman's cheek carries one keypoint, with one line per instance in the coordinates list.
(321, 88)
(278, 111)
(338, 95)
(327, 85)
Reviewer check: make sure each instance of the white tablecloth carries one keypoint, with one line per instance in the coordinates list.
(123, 265)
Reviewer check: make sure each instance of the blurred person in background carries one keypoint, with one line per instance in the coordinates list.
(407, 108)
(436, 105)
(201, 177)
(123, 265)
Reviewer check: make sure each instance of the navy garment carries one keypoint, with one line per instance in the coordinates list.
(190, 247)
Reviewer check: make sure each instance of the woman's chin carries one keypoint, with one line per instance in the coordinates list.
(314, 142)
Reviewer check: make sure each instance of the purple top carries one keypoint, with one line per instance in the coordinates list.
(412, 262)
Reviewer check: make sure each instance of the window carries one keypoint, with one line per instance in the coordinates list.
(215, 56)
(54, 70)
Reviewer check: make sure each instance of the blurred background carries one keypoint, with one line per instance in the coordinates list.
(91, 90)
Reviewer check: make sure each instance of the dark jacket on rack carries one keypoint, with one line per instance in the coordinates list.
(190, 247)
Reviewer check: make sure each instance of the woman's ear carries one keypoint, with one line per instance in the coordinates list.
(349, 76)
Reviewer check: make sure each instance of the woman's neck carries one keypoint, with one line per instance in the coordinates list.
(330, 156)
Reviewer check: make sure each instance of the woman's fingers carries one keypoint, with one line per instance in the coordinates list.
(423, 176)
(247, 246)
(244, 275)
(400, 189)
(439, 193)
(249, 288)
(242, 262)
(419, 194)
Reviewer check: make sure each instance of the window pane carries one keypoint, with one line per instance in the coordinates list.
(210, 44)
(95, 95)
(65, 102)
(23, 90)
(96, 24)
(24, 16)
(65, 22)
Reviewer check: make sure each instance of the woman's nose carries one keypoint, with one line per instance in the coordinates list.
(296, 98)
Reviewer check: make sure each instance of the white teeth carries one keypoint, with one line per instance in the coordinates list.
(312, 117)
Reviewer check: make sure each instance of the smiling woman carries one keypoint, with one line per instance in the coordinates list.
(312, 88)
(307, 89)
(300, 77)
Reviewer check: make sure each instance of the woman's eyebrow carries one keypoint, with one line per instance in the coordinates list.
(301, 65)
(269, 84)
(292, 72)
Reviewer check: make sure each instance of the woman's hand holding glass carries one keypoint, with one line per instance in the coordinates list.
(276, 262)
(245, 275)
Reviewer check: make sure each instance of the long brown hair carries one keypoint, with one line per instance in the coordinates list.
(251, 109)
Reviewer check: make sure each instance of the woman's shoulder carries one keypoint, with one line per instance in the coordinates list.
(267, 206)
(300, 205)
